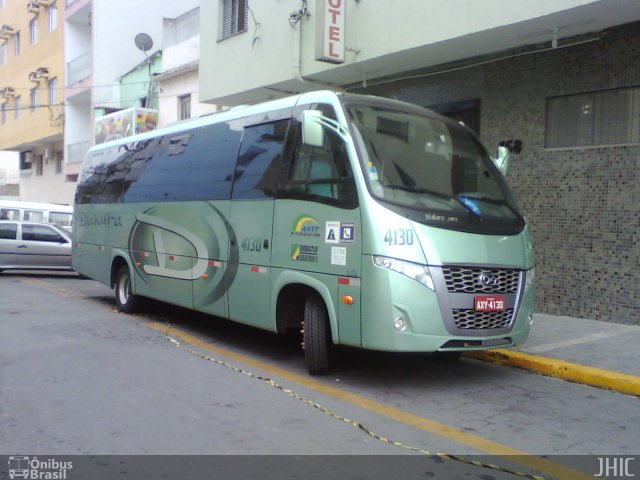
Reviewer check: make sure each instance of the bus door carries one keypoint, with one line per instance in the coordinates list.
(251, 217)
(318, 220)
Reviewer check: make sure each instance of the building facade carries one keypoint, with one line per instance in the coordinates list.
(31, 108)
(558, 80)
(180, 98)
(100, 47)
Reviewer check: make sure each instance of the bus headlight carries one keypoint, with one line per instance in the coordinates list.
(419, 273)
(530, 276)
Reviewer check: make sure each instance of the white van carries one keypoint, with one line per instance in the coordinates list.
(61, 215)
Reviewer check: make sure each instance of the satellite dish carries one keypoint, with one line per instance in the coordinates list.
(143, 42)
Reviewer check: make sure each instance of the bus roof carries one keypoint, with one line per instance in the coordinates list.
(231, 114)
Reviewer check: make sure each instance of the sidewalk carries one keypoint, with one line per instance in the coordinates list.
(601, 354)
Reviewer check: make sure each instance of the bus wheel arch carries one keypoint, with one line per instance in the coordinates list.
(307, 308)
(122, 282)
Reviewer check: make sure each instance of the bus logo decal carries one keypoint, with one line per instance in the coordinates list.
(306, 226)
(196, 260)
(158, 240)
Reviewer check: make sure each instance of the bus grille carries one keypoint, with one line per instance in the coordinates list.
(470, 319)
(469, 279)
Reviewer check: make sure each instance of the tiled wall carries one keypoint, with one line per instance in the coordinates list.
(582, 204)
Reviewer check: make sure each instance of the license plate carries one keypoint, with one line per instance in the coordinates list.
(488, 303)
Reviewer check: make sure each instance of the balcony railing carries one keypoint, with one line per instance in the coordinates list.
(77, 151)
(79, 68)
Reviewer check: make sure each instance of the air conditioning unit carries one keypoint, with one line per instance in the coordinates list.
(43, 3)
(6, 31)
(33, 77)
(42, 72)
(6, 92)
(33, 7)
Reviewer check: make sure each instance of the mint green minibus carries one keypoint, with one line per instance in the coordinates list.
(358, 220)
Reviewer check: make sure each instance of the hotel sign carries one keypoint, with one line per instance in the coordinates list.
(330, 30)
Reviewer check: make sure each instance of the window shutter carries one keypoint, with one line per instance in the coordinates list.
(227, 18)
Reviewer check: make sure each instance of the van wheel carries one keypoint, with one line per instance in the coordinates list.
(125, 300)
(317, 337)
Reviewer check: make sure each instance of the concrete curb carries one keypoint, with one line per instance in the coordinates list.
(573, 372)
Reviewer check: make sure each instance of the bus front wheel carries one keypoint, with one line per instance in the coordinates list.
(125, 300)
(317, 336)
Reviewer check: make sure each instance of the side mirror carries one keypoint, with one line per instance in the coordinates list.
(502, 159)
(312, 129)
(61, 239)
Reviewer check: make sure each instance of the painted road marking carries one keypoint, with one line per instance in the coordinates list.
(415, 421)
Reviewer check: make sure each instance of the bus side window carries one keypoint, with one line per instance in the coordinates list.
(259, 161)
(213, 151)
(320, 174)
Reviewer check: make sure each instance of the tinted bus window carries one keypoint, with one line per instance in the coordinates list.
(259, 161)
(213, 151)
(159, 170)
(103, 176)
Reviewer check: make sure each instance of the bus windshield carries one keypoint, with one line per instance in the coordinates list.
(432, 170)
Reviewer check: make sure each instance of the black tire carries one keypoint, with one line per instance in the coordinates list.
(317, 337)
(125, 300)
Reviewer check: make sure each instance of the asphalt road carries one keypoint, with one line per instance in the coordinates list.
(78, 378)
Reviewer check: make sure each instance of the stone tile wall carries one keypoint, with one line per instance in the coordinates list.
(582, 204)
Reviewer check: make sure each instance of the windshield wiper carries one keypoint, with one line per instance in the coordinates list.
(416, 189)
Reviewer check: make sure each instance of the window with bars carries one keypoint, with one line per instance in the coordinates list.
(3, 113)
(184, 107)
(53, 95)
(33, 31)
(3, 53)
(607, 117)
(53, 17)
(33, 99)
(39, 165)
(234, 17)
(59, 163)
(16, 43)
(17, 104)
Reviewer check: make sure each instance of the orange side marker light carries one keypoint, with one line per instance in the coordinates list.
(347, 299)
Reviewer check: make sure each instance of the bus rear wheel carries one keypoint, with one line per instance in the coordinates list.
(125, 300)
(317, 337)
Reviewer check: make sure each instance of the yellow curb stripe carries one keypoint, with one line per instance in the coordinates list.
(573, 372)
(493, 448)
